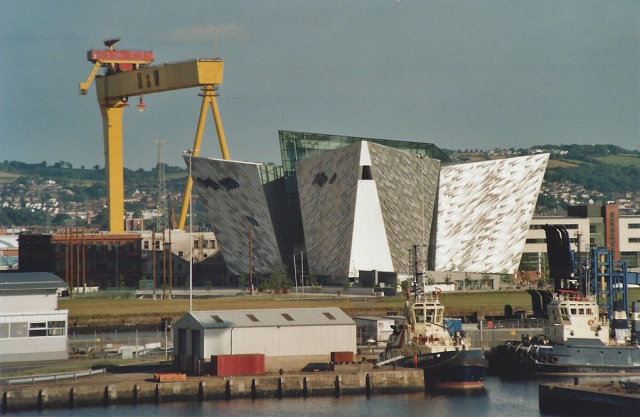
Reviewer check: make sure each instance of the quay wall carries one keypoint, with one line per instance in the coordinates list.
(212, 388)
(577, 400)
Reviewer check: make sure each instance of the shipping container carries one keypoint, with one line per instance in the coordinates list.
(233, 365)
(342, 357)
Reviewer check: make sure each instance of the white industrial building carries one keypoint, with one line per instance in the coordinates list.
(31, 326)
(289, 338)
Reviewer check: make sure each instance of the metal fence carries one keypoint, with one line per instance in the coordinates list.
(120, 345)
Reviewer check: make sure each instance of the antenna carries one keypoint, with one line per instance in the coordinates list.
(215, 41)
(161, 220)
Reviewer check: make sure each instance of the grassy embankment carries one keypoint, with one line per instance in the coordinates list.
(117, 312)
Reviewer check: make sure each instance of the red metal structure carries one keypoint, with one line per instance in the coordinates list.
(114, 61)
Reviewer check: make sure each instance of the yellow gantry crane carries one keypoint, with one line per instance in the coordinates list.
(129, 74)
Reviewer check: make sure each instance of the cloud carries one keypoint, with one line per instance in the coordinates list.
(206, 34)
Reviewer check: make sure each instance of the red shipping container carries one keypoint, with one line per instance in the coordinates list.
(341, 357)
(233, 365)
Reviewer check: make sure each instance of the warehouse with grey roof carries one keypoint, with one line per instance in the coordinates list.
(288, 338)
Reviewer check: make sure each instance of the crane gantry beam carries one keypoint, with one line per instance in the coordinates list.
(126, 78)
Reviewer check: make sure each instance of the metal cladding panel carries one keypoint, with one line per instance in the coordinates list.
(216, 342)
(484, 211)
(327, 187)
(295, 341)
(407, 188)
(233, 198)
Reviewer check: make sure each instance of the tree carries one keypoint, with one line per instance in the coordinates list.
(468, 281)
(486, 279)
(447, 279)
(242, 280)
(505, 278)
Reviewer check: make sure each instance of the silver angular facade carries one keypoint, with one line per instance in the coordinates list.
(364, 206)
(234, 198)
(484, 211)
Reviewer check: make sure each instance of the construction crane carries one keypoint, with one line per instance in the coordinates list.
(129, 74)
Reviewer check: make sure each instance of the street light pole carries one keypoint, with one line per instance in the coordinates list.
(190, 152)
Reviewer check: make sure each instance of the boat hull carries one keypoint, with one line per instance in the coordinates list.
(565, 360)
(457, 369)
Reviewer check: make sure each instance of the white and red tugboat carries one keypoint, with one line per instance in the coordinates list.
(421, 340)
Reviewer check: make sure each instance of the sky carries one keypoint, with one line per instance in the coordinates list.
(474, 74)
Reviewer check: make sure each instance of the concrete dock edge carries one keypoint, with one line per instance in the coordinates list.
(200, 389)
(576, 400)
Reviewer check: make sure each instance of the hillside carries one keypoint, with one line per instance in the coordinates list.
(59, 194)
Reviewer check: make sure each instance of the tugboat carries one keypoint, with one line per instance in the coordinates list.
(582, 336)
(421, 340)
(576, 341)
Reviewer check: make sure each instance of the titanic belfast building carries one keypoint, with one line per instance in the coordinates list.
(355, 205)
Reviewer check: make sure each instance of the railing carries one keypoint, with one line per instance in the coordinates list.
(56, 378)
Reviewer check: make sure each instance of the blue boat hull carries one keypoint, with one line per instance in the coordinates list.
(568, 360)
(457, 369)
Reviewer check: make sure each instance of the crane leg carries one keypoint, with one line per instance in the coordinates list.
(208, 98)
(218, 121)
(196, 151)
(113, 153)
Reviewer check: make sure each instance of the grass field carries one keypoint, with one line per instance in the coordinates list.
(625, 160)
(7, 177)
(556, 163)
(117, 311)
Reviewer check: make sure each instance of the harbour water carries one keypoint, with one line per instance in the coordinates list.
(500, 397)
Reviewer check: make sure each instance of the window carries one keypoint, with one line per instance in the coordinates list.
(18, 330)
(329, 316)
(536, 241)
(634, 225)
(146, 244)
(212, 244)
(4, 330)
(288, 317)
(253, 318)
(217, 319)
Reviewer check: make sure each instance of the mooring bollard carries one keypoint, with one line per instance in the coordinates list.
(201, 387)
(228, 389)
(280, 390)
(136, 389)
(41, 399)
(370, 384)
(337, 383)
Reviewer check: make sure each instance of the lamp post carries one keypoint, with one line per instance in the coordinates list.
(190, 153)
